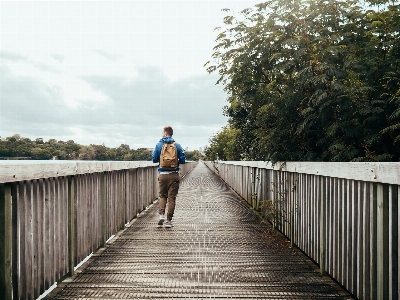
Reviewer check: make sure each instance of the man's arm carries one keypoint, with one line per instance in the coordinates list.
(156, 154)
(181, 154)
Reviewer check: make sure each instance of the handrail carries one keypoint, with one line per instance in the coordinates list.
(53, 214)
(28, 170)
(384, 172)
(344, 216)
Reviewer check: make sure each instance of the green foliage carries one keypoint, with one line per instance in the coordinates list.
(17, 147)
(223, 145)
(311, 80)
(195, 155)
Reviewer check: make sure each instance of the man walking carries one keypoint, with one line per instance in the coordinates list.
(168, 178)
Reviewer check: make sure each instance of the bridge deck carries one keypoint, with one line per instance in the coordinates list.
(218, 249)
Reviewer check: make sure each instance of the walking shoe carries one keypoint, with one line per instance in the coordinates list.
(168, 224)
(161, 220)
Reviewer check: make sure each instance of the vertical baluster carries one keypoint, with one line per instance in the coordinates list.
(6, 247)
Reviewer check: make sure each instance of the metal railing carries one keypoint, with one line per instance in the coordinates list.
(53, 214)
(344, 216)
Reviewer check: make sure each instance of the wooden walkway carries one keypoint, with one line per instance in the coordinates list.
(218, 249)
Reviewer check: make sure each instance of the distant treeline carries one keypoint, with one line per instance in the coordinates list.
(17, 147)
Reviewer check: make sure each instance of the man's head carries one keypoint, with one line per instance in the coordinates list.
(168, 131)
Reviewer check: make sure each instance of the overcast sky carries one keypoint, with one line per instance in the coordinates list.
(112, 72)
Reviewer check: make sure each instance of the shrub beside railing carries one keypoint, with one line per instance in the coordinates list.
(344, 216)
(53, 214)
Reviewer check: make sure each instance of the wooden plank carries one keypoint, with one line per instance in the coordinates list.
(354, 218)
(296, 205)
(99, 208)
(81, 219)
(366, 244)
(6, 247)
(360, 196)
(329, 226)
(383, 241)
(303, 210)
(135, 184)
(122, 197)
(142, 189)
(28, 239)
(124, 188)
(345, 220)
(71, 224)
(398, 239)
(22, 272)
(317, 194)
(292, 220)
(66, 227)
(86, 240)
(57, 231)
(104, 209)
(373, 241)
(118, 201)
(335, 225)
(339, 222)
(155, 183)
(111, 206)
(322, 227)
(350, 190)
(316, 216)
(41, 242)
(93, 217)
(128, 197)
(36, 238)
(46, 232)
(308, 200)
(52, 221)
(15, 239)
(393, 242)
(63, 208)
(77, 217)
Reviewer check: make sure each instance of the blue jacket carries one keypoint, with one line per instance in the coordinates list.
(157, 152)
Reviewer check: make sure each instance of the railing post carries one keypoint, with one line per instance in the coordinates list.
(104, 222)
(383, 241)
(322, 222)
(291, 197)
(125, 174)
(6, 288)
(71, 225)
(373, 241)
(393, 242)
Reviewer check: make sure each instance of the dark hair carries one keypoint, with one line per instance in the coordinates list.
(169, 130)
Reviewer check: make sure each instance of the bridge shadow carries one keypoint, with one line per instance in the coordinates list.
(218, 249)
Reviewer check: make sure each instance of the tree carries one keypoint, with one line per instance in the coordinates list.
(141, 154)
(40, 154)
(123, 152)
(223, 145)
(194, 155)
(86, 153)
(312, 80)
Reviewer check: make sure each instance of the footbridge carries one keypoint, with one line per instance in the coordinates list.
(242, 230)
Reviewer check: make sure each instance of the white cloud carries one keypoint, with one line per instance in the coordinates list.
(110, 72)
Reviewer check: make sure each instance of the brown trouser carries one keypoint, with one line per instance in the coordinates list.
(168, 185)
